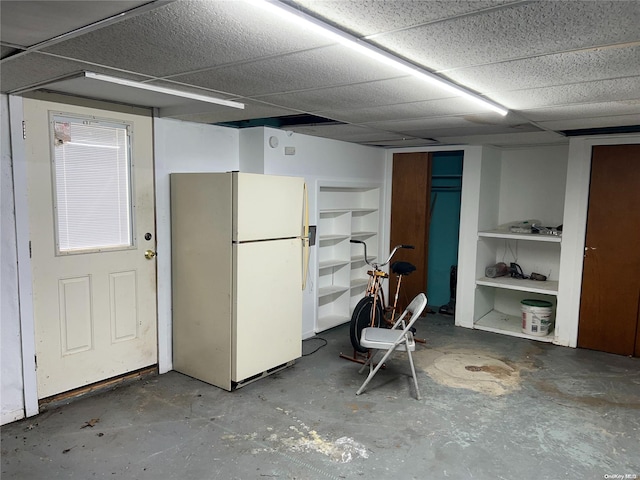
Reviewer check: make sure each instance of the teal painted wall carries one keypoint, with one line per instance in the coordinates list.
(446, 181)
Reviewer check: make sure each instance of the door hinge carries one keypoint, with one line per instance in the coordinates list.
(35, 361)
(24, 130)
(29, 248)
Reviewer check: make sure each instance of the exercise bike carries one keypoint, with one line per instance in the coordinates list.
(372, 310)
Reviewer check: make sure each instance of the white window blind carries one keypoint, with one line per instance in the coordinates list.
(92, 186)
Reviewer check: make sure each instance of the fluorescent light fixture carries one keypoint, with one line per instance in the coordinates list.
(337, 35)
(167, 91)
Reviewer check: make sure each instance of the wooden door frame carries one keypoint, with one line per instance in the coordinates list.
(574, 232)
(615, 167)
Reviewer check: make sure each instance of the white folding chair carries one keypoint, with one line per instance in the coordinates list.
(399, 337)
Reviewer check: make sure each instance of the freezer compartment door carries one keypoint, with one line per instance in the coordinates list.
(267, 206)
(267, 325)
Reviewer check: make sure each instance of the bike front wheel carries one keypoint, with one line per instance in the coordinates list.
(361, 319)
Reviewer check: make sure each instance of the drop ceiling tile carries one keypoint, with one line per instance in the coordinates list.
(550, 70)
(589, 110)
(385, 92)
(594, 122)
(35, 68)
(580, 93)
(334, 65)
(186, 36)
(27, 23)
(404, 111)
(525, 29)
(368, 17)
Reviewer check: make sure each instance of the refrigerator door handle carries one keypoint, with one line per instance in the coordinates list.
(305, 238)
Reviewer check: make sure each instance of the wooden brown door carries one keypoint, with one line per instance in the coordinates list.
(609, 306)
(410, 199)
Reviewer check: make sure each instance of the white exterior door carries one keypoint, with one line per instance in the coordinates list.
(91, 217)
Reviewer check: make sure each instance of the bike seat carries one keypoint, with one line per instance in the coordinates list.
(402, 268)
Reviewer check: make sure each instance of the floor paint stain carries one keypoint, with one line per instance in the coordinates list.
(472, 370)
(342, 450)
(301, 438)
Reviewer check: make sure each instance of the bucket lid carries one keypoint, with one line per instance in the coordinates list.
(536, 303)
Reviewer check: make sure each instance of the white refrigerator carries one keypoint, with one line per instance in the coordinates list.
(237, 275)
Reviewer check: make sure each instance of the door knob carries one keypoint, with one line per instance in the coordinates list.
(149, 254)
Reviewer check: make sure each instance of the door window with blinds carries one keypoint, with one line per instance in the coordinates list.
(92, 185)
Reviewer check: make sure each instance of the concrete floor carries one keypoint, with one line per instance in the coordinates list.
(493, 407)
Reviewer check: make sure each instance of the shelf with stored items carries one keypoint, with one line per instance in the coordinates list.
(548, 287)
(534, 252)
(507, 324)
(498, 233)
(507, 184)
(344, 212)
(499, 299)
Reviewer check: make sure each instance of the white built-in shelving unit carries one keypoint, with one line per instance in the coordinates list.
(510, 186)
(344, 213)
(498, 299)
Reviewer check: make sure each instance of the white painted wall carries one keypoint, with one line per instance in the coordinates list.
(190, 147)
(11, 390)
(182, 147)
(532, 184)
(320, 160)
(252, 150)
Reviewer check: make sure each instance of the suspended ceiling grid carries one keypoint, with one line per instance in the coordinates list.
(556, 65)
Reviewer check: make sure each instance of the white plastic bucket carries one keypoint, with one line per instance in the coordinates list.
(537, 317)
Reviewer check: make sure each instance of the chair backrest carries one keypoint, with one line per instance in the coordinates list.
(415, 308)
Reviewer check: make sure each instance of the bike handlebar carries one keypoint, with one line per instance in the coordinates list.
(380, 265)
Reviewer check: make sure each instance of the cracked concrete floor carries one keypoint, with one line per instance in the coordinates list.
(493, 407)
